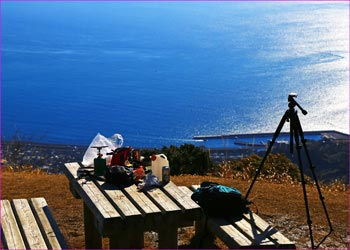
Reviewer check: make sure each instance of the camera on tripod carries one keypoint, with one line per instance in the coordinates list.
(293, 103)
(291, 95)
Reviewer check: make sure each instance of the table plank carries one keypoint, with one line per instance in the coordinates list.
(190, 209)
(140, 199)
(72, 170)
(103, 211)
(200, 224)
(180, 197)
(171, 219)
(121, 202)
(165, 204)
(152, 215)
(186, 191)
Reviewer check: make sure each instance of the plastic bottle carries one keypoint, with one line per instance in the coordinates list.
(165, 174)
(158, 162)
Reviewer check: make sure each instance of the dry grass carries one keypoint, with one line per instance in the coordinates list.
(282, 205)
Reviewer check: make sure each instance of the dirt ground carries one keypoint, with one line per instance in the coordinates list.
(282, 205)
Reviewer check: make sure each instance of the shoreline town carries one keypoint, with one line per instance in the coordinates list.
(220, 147)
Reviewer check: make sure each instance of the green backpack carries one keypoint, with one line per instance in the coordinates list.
(219, 200)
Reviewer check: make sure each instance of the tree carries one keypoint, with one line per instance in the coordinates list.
(188, 159)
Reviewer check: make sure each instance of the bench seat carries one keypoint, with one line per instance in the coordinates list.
(250, 231)
(29, 224)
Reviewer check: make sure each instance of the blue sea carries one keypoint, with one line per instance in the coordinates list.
(159, 73)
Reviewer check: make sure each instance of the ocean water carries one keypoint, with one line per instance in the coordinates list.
(160, 73)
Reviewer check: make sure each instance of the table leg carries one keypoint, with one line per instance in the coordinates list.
(203, 237)
(200, 226)
(137, 239)
(127, 239)
(167, 237)
(93, 239)
(72, 190)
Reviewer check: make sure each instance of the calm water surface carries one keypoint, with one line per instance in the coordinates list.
(160, 73)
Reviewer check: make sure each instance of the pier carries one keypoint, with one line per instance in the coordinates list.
(234, 146)
(328, 134)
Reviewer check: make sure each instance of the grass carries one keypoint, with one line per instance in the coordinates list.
(281, 204)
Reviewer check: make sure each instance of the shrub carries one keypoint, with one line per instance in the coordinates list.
(186, 159)
(277, 167)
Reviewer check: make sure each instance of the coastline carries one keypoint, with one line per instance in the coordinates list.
(333, 133)
(52, 157)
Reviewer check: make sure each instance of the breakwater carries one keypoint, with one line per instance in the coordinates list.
(261, 140)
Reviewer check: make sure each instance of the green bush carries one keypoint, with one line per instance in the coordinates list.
(276, 167)
(189, 159)
(186, 159)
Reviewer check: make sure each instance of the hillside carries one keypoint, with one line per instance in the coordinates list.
(282, 205)
(330, 158)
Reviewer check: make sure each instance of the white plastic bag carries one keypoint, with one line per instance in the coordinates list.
(117, 140)
(91, 153)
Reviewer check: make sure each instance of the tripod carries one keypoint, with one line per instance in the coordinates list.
(296, 131)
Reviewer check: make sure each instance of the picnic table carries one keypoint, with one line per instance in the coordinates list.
(123, 215)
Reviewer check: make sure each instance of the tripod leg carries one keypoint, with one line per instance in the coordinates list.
(275, 136)
(298, 147)
(312, 168)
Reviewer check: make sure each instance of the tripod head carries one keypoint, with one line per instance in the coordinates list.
(293, 103)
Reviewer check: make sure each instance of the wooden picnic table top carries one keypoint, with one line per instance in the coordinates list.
(119, 213)
(119, 209)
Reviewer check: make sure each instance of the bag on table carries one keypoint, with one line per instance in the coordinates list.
(218, 200)
(120, 175)
(121, 156)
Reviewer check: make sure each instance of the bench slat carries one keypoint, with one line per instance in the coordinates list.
(272, 233)
(11, 234)
(252, 233)
(28, 224)
(48, 226)
(227, 233)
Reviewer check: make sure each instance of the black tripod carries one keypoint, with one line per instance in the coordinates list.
(296, 131)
